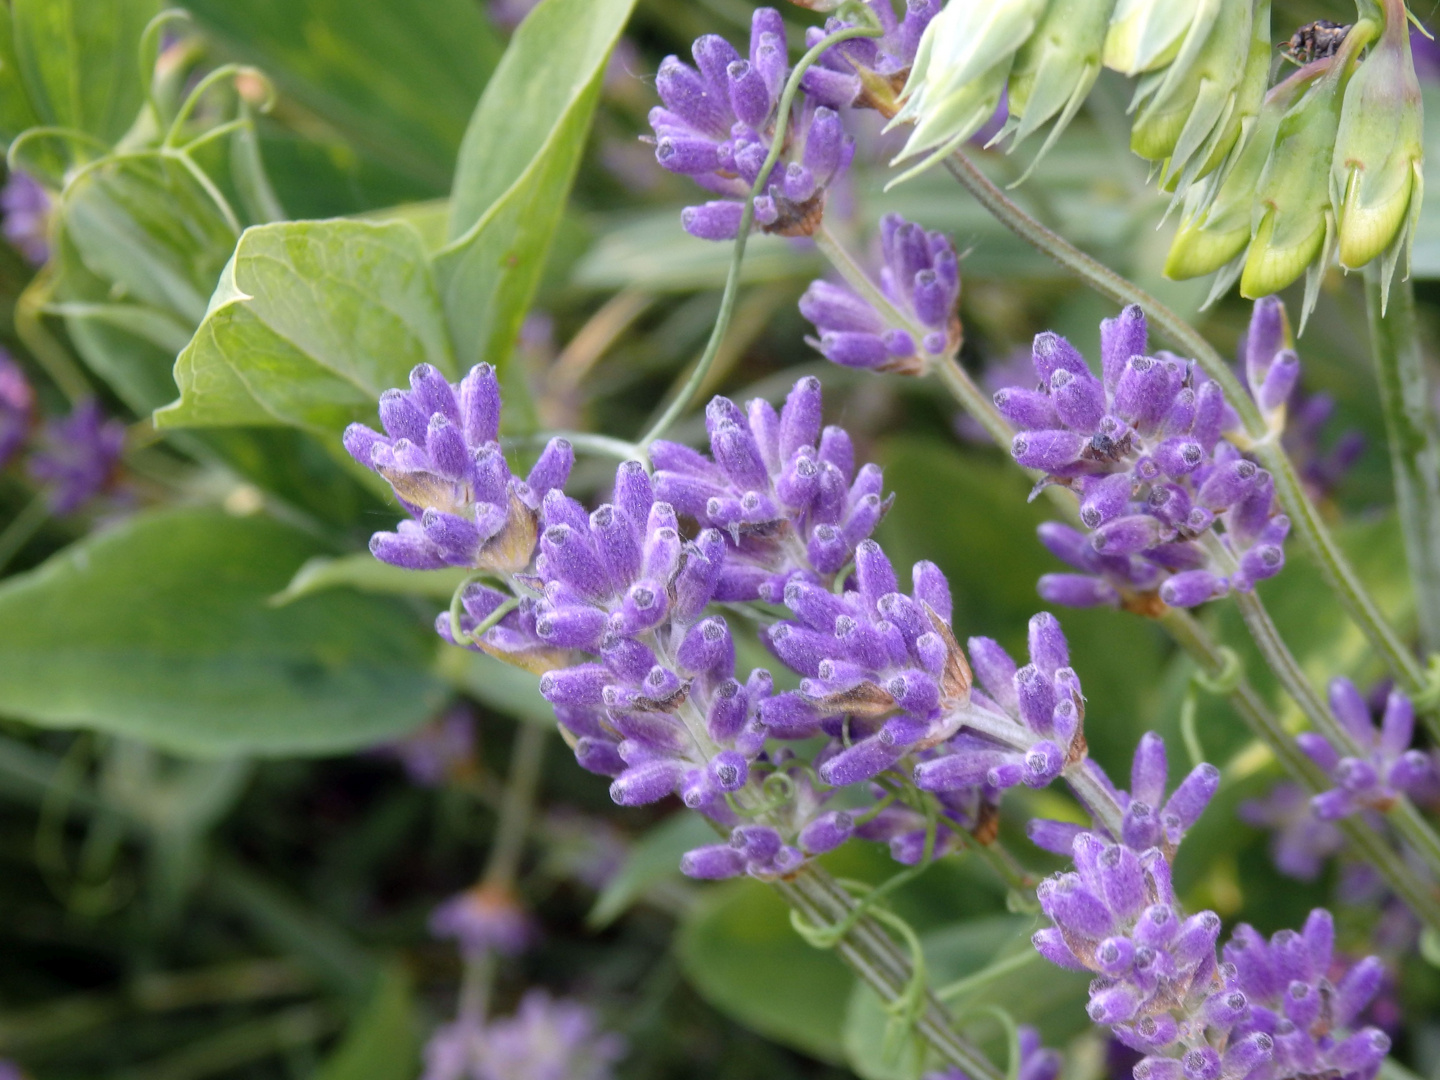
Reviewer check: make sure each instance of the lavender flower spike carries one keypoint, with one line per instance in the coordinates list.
(17, 407)
(547, 1039)
(1302, 844)
(441, 455)
(26, 209)
(1036, 1062)
(1389, 767)
(921, 279)
(869, 73)
(78, 457)
(717, 125)
(1140, 446)
(783, 492)
(486, 918)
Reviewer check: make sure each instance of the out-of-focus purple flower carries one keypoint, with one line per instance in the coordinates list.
(1389, 768)
(441, 457)
(869, 73)
(588, 849)
(77, 457)
(17, 407)
(442, 750)
(717, 125)
(1151, 820)
(1302, 844)
(1014, 369)
(920, 277)
(26, 209)
(1141, 448)
(1036, 1062)
(1321, 469)
(1310, 1023)
(508, 14)
(547, 1039)
(485, 918)
(783, 491)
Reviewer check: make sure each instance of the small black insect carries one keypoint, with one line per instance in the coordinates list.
(1314, 41)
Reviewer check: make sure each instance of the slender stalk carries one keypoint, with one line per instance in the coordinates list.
(873, 955)
(22, 527)
(517, 804)
(1414, 446)
(1304, 517)
(602, 445)
(682, 400)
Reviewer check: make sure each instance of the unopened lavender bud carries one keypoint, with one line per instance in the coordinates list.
(827, 832)
(1128, 535)
(1113, 1005)
(1202, 1063)
(712, 863)
(647, 783)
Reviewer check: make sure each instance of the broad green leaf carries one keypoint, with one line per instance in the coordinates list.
(740, 952)
(517, 164)
(510, 691)
(160, 630)
(399, 79)
(366, 573)
(146, 227)
(16, 112)
(311, 322)
(80, 61)
(655, 858)
(381, 1043)
(1036, 993)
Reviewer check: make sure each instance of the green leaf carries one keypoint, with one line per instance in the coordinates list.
(80, 61)
(366, 573)
(150, 232)
(381, 1043)
(160, 630)
(517, 164)
(1038, 994)
(399, 79)
(510, 691)
(740, 952)
(16, 112)
(654, 859)
(310, 323)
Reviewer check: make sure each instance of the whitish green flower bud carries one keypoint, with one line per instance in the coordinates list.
(1055, 69)
(1183, 103)
(960, 71)
(1377, 170)
(1146, 34)
(1294, 223)
(1245, 104)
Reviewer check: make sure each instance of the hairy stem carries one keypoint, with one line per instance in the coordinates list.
(873, 955)
(1414, 446)
(1304, 517)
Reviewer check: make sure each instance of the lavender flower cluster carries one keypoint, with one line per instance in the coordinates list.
(717, 125)
(546, 1039)
(1174, 512)
(72, 458)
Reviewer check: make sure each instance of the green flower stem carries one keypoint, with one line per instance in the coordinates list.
(517, 804)
(602, 445)
(22, 527)
(1366, 842)
(687, 393)
(971, 983)
(873, 955)
(1304, 517)
(1414, 446)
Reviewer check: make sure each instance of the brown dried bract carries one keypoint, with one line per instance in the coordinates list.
(797, 218)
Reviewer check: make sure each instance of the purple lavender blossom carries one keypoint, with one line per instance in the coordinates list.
(1321, 469)
(1293, 1005)
(547, 1039)
(869, 73)
(658, 707)
(485, 918)
(441, 457)
(1389, 768)
(17, 407)
(1140, 446)
(920, 278)
(508, 14)
(77, 457)
(26, 209)
(442, 750)
(717, 124)
(785, 493)
(1150, 819)
(1302, 844)
(1036, 1062)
